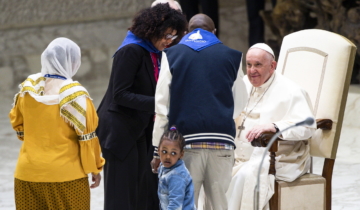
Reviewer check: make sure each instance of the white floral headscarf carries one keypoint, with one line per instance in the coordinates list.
(61, 57)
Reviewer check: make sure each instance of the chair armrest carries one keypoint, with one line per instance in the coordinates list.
(263, 139)
(324, 124)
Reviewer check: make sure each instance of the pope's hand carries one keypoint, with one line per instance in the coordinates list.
(257, 130)
(155, 163)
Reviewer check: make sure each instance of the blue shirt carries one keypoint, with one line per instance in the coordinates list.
(176, 190)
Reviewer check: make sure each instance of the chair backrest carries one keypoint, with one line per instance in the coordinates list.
(321, 62)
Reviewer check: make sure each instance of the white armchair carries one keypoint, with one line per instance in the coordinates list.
(321, 62)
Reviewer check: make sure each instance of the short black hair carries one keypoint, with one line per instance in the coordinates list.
(173, 135)
(152, 23)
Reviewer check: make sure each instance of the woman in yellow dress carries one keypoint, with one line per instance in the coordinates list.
(56, 120)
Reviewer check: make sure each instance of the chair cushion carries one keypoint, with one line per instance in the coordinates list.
(306, 192)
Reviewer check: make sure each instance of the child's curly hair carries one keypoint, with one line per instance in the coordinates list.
(173, 135)
(152, 23)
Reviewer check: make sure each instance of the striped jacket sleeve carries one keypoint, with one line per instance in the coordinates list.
(162, 100)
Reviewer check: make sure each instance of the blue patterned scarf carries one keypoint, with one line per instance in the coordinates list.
(199, 39)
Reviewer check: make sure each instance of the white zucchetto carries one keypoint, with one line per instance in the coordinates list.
(173, 4)
(265, 47)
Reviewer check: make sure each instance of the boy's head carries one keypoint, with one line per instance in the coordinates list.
(171, 147)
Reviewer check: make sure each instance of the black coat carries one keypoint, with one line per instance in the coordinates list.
(128, 105)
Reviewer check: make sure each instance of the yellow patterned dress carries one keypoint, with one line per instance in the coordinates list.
(59, 147)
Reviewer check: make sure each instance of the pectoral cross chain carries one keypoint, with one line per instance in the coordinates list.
(252, 91)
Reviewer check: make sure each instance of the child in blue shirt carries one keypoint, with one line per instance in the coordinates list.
(175, 190)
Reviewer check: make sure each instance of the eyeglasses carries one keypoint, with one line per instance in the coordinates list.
(170, 36)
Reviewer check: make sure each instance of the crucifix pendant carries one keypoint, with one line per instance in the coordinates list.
(241, 127)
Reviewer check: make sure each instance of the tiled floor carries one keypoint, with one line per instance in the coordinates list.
(346, 178)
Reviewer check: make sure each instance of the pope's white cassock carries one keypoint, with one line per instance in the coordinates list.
(284, 103)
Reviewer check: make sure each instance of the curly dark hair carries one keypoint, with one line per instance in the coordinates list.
(173, 135)
(152, 23)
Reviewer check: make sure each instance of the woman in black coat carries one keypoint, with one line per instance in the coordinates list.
(126, 113)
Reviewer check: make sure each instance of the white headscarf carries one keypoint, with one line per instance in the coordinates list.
(61, 57)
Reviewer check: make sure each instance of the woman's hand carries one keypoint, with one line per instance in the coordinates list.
(96, 180)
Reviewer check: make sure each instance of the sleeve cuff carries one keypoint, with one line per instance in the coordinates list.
(156, 153)
(20, 134)
(87, 137)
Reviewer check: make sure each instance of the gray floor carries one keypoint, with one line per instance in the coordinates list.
(346, 179)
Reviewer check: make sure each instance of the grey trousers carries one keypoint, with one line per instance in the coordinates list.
(212, 169)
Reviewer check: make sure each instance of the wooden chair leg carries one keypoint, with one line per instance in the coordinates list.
(272, 169)
(274, 200)
(327, 174)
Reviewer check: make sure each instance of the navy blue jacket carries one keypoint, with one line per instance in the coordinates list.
(202, 102)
